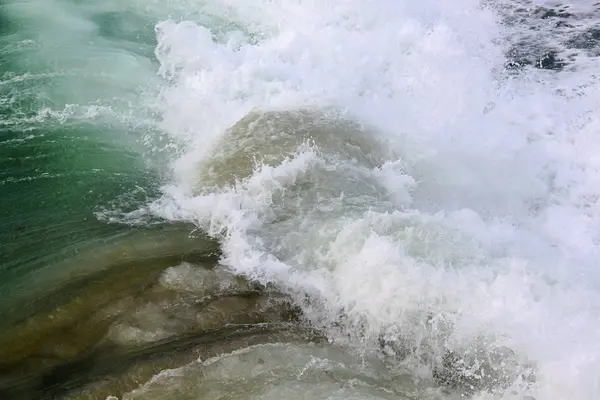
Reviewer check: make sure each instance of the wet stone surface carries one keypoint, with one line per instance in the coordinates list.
(128, 312)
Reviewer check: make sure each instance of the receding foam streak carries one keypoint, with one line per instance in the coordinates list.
(475, 230)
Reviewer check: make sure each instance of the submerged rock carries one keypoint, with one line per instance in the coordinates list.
(127, 313)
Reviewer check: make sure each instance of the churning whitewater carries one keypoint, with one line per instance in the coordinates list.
(420, 201)
(420, 178)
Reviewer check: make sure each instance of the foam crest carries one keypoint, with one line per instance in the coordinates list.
(475, 231)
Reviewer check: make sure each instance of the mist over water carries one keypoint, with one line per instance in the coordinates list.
(414, 183)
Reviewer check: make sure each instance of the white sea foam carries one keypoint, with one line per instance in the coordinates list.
(481, 230)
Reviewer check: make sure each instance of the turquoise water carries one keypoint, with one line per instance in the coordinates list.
(72, 131)
(282, 199)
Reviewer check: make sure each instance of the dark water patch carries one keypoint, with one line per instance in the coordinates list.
(127, 30)
(588, 40)
(7, 25)
(558, 12)
(518, 58)
(549, 38)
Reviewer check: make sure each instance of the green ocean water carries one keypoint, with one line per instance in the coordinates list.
(75, 140)
(78, 138)
(71, 132)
